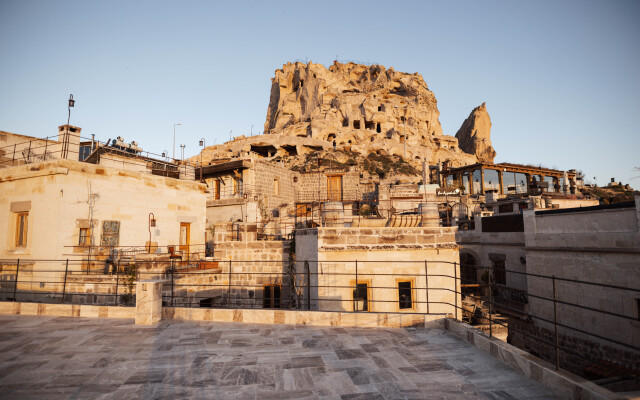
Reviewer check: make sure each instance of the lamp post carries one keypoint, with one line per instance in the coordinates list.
(72, 103)
(182, 151)
(203, 144)
(174, 140)
(65, 142)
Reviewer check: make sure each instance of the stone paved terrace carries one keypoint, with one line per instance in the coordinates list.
(77, 358)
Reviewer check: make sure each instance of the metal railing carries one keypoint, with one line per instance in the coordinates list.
(49, 148)
(555, 325)
(544, 320)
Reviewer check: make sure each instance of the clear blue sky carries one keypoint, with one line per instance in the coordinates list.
(561, 78)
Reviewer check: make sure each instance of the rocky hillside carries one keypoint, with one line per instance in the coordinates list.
(362, 111)
(474, 136)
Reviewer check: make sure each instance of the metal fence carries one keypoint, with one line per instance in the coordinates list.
(542, 322)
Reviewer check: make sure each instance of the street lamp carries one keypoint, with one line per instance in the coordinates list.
(72, 103)
(182, 151)
(174, 140)
(65, 141)
(203, 144)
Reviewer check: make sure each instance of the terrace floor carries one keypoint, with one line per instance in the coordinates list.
(58, 357)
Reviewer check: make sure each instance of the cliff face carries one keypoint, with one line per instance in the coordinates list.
(365, 108)
(474, 136)
(360, 111)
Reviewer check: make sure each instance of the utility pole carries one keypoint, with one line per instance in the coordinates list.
(174, 140)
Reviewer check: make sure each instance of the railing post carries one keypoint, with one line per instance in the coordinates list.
(308, 285)
(490, 306)
(426, 283)
(455, 289)
(15, 286)
(229, 287)
(356, 290)
(555, 321)
(172, 272)
(115, 302)
(64, 284)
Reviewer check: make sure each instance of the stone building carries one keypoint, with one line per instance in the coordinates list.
(61, 209)
(600, 245)
(379, 269)
(521, 253)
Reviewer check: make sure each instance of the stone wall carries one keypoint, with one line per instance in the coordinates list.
(483, 247)
(576, 354)
(56, 196)
(275, 195)
(254, 265)
(601, 246)
(380, 257)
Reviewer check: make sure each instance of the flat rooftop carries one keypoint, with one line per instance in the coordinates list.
(58, 357)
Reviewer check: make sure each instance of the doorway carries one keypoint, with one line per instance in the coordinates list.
(185, 238)
(334, 187)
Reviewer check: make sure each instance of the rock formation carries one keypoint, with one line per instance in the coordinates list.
(474, 136)
(359, 109)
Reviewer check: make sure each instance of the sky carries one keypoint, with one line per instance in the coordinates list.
(560, 78)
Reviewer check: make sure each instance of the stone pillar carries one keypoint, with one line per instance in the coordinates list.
(148, 302)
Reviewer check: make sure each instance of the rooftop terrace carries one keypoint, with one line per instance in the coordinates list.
(58, 357)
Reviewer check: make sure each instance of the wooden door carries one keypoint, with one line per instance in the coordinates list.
(334, 187)
(185, 238)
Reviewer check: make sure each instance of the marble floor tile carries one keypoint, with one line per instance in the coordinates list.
(92, 358)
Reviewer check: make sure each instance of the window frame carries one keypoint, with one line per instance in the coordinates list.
(87, 237)
(411, 282)
(369, 299)
(21, 241)
(272, 296)
(495, 259)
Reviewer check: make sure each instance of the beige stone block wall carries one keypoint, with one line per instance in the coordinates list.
(384, 257)
(66, 310)
(313, 318)
(600, 246)
(57, 193)
(253, 266)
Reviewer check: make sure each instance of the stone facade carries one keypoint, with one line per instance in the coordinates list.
(599, 245)
(336, 259)
(51, 208)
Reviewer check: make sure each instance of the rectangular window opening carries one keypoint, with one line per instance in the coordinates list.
(360, 297)
(84, 237)
(499, 273)
(405, 298)
(271, 296)
(22, 225)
